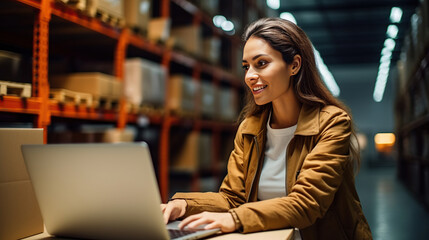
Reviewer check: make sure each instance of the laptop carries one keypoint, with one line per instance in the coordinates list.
(99, 191)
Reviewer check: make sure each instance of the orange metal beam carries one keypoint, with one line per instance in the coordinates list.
(165, 8)
(40, 64)
(20, 105)
(120, 54)
(164, 141)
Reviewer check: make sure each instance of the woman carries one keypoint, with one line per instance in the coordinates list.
(293, 162)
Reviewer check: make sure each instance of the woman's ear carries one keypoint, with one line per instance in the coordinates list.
(296, 64)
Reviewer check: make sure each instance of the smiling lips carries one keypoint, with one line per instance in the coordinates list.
(258, 89)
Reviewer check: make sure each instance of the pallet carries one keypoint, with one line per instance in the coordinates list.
(106, 12)
(100, 9)
(67, 96)
(106, 103)
(109, 19)
(15, 89)
(75, 4)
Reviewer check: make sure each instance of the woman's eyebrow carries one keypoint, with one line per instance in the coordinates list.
(255, 57)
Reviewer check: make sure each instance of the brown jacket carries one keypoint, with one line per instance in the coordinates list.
(322, 200)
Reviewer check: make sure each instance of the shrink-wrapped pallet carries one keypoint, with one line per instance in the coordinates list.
(228, 104)
(209, 95)
(144, 82)
(188, 38)
(182, 91)
(97, 84)
(137, 14)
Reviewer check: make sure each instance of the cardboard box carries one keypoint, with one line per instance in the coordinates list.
(144, 82)
(95, 83)
(20, 214)
(182, 90)
(116, 90)
(112, 8)
(209, 95)
(9, 65)
(159, 29)
(188, 38)
(115, 135)
(205, 151)
(137, 13)
(212, 49)
(228, 104)
(186, 160)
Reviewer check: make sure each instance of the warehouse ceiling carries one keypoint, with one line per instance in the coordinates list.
(350, 31)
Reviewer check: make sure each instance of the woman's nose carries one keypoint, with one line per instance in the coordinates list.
(251, 76)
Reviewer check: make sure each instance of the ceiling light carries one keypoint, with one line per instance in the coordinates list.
(385, 51)
(274, 4)
(380, 85)
(385, 64)
(218, 20)
(389, 44)
(392, 31)
(327, 76)
(395, 15)
(386, 58)
(288, 16)
(227, 26)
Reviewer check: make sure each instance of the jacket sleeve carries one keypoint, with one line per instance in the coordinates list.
(316, 185)
(231, 192)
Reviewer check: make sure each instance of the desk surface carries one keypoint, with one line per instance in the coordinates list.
(283, 234)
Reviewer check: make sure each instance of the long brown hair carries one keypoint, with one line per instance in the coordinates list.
(290, 40)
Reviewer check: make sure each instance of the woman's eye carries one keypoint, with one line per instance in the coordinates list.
(262, 63)
(245, 67)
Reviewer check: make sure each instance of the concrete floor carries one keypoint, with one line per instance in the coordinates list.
(391, 210)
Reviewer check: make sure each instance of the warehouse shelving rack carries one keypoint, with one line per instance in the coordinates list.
(412, 109)
(47, 13)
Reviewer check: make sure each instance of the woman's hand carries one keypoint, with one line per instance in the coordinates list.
(173, 209)
(224, 221)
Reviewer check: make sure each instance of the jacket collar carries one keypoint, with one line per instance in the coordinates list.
(308, 122)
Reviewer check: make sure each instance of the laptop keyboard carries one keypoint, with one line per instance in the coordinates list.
(176, 233)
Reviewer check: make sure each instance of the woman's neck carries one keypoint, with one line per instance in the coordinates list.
(285, 113)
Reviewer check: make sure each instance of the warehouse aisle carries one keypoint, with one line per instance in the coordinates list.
(391, 210)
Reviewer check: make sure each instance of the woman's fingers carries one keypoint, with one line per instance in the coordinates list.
(173, 210)
(188, 220)
(224, 221)
(163, 206)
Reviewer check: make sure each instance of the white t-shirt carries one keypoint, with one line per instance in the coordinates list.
(272, 182)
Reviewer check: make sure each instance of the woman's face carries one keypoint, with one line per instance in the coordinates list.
(266, 73)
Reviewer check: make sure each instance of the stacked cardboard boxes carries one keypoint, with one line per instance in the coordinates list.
(101, 86)
(20, 214)
(182, 90)
(145, 83)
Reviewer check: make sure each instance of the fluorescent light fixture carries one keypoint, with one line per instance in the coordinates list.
(288, 16)
(395, 15)
(392, 31)
(386, 55)
(385, 51)
(380, 83)
(327, 76)
(274, 4)
(386, 58)
(384, 65)
(218, 20)
(227, 26)
(389, 44)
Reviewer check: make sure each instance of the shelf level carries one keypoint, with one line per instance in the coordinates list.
(20, 105)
